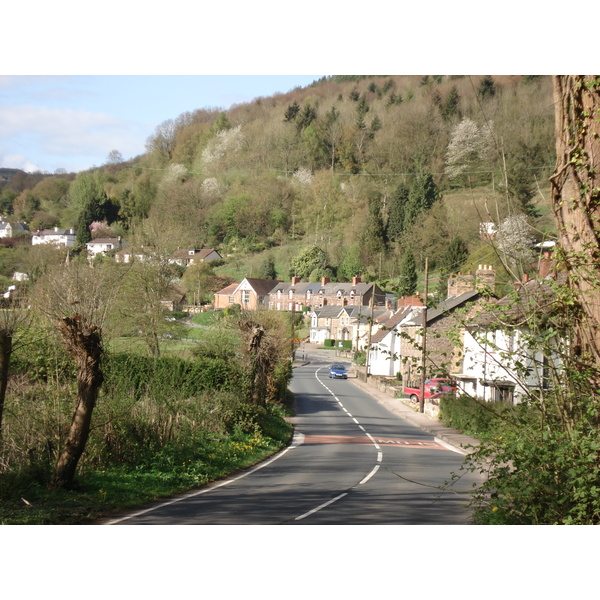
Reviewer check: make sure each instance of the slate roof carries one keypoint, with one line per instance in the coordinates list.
(389, 325)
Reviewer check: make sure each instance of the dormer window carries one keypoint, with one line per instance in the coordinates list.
(291, 294)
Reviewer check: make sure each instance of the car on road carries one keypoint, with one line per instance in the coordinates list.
(338, 371)
(434, 388)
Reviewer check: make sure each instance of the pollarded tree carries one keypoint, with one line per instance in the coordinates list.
(77, 299)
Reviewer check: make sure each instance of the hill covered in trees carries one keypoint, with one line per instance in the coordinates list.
(373, 170)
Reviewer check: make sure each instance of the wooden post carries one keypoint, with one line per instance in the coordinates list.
(371, 304)
(424, 343)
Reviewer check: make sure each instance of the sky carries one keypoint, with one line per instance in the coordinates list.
(72, 122)
(76, 85)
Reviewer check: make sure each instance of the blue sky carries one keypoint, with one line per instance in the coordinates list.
(72, 122)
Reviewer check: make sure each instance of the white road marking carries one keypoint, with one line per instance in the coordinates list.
(314, 510)
(297, 440)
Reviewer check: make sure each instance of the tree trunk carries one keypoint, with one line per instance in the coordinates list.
(84, 343)
(575, 199)
(5, 355)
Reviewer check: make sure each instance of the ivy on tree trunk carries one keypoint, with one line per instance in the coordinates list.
(575, 200)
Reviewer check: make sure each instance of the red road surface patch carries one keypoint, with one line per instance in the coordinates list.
(345, 439)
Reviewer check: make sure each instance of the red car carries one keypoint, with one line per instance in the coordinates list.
(434, 388)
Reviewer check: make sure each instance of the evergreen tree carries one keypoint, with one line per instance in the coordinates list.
(408, 275)
(449, 108)
(291, 112)
(487, 88)
(374, 235)
(267, 269)
(396, 212)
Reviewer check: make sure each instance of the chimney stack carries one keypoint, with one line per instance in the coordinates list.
(324, 280)
(295, 280)
(356, 279)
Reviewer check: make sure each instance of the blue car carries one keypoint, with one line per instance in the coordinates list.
(338, 372)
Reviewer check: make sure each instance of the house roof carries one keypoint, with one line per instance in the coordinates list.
(533, 299)
(442, 308)
(104, 241)
(391, 323)
(261, 286)
(227, 291)
(192, 253)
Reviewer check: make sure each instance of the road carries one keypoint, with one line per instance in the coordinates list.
(352, 462)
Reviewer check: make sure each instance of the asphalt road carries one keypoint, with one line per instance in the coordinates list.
(352, 462)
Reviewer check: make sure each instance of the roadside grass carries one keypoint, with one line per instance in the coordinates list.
(99, 494)
(206, 318)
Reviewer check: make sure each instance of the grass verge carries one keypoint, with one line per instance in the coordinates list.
(26, 500)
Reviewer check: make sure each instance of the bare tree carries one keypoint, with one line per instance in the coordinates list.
(575, 199)
(76, 298)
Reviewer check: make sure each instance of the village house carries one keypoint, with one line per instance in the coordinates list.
(299, 296)
(250, 294)
(345, 323)
(103, 245)
(9, 230)
(385, 353)
(503, 359)
(56, 237)
(185, 258)
(445, 325)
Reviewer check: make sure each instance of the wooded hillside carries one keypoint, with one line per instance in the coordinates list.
(372, 169)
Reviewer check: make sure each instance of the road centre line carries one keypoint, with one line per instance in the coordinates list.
(318, 508)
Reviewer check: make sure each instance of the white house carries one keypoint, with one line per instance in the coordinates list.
(190, 257)
(103, 245)
(8, 230)
(56, 236)
(502, 359)
(385, 352)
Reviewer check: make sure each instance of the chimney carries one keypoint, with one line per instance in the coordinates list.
(485, 278)
(324, 280)
(545, 264)
(356, 279)
(295, 280)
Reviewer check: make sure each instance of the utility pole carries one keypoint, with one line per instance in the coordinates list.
(371, 304)
(424, 343)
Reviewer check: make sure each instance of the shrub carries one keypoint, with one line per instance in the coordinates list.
(328, 343)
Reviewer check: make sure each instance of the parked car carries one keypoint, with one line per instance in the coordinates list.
(338, 371)
(434, 388)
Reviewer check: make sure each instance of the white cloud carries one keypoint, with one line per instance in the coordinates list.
(75, 139)
(17, 161)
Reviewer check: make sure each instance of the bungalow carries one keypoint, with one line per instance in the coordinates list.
(56, 236)
(190, 257)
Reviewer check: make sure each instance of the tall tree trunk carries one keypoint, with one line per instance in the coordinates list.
(84, 343)
(575, 199)
(6, 348)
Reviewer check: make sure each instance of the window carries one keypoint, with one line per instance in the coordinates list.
(245, 296)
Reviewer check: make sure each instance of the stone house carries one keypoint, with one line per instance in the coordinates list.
(446, 326)
(296, 295)
(345, 323)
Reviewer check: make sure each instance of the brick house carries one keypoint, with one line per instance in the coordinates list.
(250, 294)
(296, 295)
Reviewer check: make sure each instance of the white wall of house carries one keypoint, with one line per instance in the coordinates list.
(384, 356)
(56, 237)
(501, 365)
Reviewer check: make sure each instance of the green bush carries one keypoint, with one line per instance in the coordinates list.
(328, 343)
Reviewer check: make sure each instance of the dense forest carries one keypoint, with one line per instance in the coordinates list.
(379, 172)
